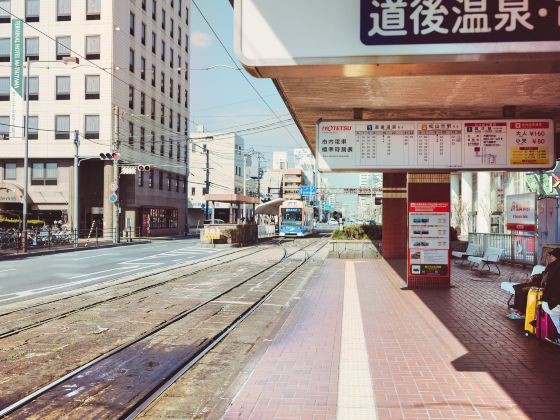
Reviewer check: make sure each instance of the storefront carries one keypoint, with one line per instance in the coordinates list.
(159, 221)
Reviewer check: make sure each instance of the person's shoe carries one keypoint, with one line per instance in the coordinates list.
(515, 315)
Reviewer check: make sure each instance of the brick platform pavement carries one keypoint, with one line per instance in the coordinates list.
(437, 354)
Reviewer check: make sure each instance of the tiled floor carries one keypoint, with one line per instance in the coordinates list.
(432, 353)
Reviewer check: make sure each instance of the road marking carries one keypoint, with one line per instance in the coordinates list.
(7, 269)
(355, 389)
(91, 256)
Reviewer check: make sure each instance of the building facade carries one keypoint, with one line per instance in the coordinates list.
(128, 94)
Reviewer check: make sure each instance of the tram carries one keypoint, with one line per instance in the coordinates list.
(295, 219)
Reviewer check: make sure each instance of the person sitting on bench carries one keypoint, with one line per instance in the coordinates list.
(551, 292)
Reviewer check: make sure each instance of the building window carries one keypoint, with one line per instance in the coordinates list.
(163, 19)
(44, 173)
(131, 60)
(193, 190)
(179, 7)
(10, 171)
(154, 40)
(168, 182)
(154, 9)
(5, 50)
(91, 126)
(178, 93)
(141, 178)
(62, 127)
(132, 23)
(142, 68)
(162, 115)
(62, 87)
(153, 110)
(142, 103)
(4, 88)
(186, 42)
(131, 97)
(186, 70)
(63, 45)
(93, 47)
(186, 98)
(162, 86)
(4, 127)
(178, 152)
(162, 146)
(33, 126)
(63, 10)
(151, 179)
(92, 87)
(170, 118)
(32, 49)
(179, 35)
(187, 15)
(171, 88)
(93, 9)
(153, 142)
(171, 57)
(161, 180)
(143, 33)
(176, 183)
(33, 88)
(171, 27)
(5, 10)
(130, 134)
(143, 4)
(178, 123)
(170, 154)
(142, 138)
(162, 50)
(153, 75)
(32, 10)
(172, 3)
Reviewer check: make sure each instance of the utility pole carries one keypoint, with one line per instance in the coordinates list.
(76, 187)
(207, 178)
(116, 233)
(187, 173)
(26, 160)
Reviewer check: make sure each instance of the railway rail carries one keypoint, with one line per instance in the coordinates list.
(123, 381)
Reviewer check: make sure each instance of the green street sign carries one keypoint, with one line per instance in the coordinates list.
(17, 56)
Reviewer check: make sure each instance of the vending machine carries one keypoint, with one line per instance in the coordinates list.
(547, 223)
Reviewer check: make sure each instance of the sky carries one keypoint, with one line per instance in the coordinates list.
(222, 100)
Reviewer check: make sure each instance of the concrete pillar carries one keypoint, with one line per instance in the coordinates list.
(71, 196)
(394, 216)
(107, 205)
(429, 188)
(466, 202)
(483, 209)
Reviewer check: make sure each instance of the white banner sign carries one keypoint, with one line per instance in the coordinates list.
(521, 212)
(438, 145)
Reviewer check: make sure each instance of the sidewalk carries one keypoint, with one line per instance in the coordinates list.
(358, 347)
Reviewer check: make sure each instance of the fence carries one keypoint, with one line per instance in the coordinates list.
(519, 249)
(267, 231)
(12, 240)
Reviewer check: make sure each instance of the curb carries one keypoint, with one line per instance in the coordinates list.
(68, 250)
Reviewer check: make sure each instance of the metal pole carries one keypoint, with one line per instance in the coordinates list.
(76, 188)
(244, 183)
(208, 181)
(187, 172)
(26, 160)
(116, 177)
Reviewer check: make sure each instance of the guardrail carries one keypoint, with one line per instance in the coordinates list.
(519, 249)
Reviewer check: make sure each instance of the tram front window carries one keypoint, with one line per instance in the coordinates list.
(291, 217)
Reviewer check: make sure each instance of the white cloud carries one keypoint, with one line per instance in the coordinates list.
(200, 40)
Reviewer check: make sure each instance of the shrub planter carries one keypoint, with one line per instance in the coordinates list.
(352, 249)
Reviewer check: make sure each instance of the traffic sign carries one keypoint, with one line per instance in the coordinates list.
(113, 198)
(114, 187)
(307, 190)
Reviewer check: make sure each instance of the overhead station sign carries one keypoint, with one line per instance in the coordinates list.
(435, 145)
(296, 32)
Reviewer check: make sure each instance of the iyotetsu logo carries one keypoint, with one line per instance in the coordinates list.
(336, 128)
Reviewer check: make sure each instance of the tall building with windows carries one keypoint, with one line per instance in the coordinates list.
(128, 94)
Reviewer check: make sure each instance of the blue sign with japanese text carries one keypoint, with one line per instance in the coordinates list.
(400, 22)
(307, 190)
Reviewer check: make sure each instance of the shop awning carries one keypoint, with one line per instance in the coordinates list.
(271, 208)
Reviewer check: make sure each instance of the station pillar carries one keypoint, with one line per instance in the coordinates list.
(394, 244)
(424, 189)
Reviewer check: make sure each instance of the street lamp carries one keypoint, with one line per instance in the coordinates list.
(65, 60)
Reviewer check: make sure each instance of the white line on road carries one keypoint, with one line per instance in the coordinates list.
(91, 256)
(7, 269)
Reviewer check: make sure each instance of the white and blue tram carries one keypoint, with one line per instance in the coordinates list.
(295, 219)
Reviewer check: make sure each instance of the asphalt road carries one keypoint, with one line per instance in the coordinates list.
(43, 275)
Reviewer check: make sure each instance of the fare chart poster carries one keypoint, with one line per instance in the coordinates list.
(428, 239)
(435, 145)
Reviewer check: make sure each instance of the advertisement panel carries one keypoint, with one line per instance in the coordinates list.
(428, 239)
(521, 212)
(16, 79)
(435, 145)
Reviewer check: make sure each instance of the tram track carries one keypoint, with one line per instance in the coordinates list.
(220, 258)
(60, 387)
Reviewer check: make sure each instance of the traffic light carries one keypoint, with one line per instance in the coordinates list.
(109, 156)
(378, 201)
(144, 168)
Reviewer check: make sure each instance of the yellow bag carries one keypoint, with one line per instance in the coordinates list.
(533, 301)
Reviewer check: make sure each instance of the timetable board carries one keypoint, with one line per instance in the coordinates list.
(435, 145)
